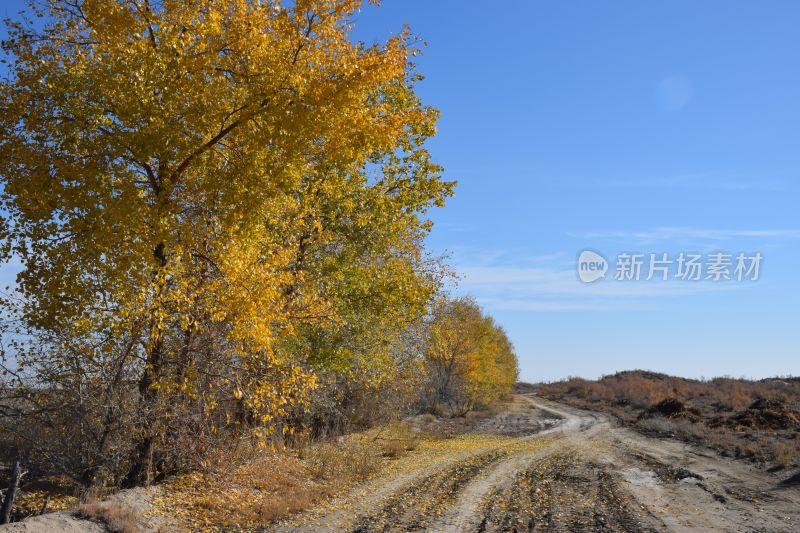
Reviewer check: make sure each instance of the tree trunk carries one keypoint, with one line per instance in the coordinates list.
(141, 470)
(11, 494)
(44, 505)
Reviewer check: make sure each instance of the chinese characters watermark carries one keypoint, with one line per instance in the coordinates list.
(683, 266)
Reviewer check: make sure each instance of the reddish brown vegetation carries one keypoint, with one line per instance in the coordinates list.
(759, 420)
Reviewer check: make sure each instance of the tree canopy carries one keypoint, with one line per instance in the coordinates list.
(218, 206)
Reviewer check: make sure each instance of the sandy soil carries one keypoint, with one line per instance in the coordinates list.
(571, 470)
(138, 500)
(538, 465)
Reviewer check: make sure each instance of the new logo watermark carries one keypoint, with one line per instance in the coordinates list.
(683, 266)
(591, 266)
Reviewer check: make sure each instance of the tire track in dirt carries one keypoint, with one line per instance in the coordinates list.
(465, 514)
(580, 473)
(562, 493)
(341, 513)
(694, 490)
(687, 488)
(370, 506)
(471, 511)
(420, 504)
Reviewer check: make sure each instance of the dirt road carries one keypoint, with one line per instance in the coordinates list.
(543, 466)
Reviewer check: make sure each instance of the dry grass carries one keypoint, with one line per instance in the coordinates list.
(251, 487)
(248, 488)
(786, 453)
(717, 403)
(641, 389)
(116, 517)
(396, 439)
(665, 427)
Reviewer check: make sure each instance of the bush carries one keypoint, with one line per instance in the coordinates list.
(116, 517)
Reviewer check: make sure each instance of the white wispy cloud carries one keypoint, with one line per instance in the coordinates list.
(525, 304)
(712, 181)
(688, 234)
(554, 286)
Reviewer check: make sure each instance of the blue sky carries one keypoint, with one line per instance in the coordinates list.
(616, 126)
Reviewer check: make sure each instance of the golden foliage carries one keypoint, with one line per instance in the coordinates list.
(472, 361)
(189, 184)
(267, 485)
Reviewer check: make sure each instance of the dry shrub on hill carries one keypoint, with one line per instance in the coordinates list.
(758, 420)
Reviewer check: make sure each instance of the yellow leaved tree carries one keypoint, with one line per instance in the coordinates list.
(470, 360)
(188, 185)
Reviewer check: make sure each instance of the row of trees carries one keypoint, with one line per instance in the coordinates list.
(219, 207)
(470, 359)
